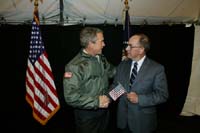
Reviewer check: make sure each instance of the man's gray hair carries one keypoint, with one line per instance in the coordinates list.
(89, 34)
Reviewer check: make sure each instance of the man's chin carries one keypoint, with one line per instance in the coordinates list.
(100, 52)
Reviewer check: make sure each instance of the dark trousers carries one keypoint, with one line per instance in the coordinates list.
(127, 130)
(91, 121)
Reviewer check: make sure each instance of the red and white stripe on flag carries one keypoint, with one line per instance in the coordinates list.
(41, 92)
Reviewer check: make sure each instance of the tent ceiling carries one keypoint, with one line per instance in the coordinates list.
(154, 12)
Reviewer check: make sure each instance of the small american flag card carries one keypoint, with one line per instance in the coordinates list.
(117, 92)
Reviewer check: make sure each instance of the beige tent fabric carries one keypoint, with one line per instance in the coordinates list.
(192, 103)
(141, 12)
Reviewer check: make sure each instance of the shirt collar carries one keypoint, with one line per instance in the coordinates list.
(139, 62)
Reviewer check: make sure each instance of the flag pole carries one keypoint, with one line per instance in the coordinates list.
(36, 4)
(126, 4)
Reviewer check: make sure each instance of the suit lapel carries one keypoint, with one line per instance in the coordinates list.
(142, 70)
(127, 70)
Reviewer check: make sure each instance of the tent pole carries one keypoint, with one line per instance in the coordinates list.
(61, 12)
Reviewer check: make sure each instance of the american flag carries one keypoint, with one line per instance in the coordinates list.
(126, 27)
(40, 88)
(117, 92)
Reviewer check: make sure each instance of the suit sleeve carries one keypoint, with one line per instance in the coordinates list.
(159, 93)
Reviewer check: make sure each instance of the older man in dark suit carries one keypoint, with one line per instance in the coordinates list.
(146, 85)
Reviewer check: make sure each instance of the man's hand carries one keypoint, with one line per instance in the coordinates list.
(132, 97)
(103, 101)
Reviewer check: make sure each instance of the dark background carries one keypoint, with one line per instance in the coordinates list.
(172, 46)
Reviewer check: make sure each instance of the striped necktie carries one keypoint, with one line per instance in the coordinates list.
(133, 73)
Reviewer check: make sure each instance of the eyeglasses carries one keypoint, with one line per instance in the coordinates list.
(133, 46)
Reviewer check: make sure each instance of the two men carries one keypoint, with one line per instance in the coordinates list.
(86, 83)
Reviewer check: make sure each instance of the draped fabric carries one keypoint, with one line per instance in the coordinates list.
(192, 102)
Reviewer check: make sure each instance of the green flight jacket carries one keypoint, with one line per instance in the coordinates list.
(87, 79)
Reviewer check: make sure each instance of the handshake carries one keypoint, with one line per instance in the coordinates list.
(103, 101)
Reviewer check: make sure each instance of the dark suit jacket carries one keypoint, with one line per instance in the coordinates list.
(151, 88)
